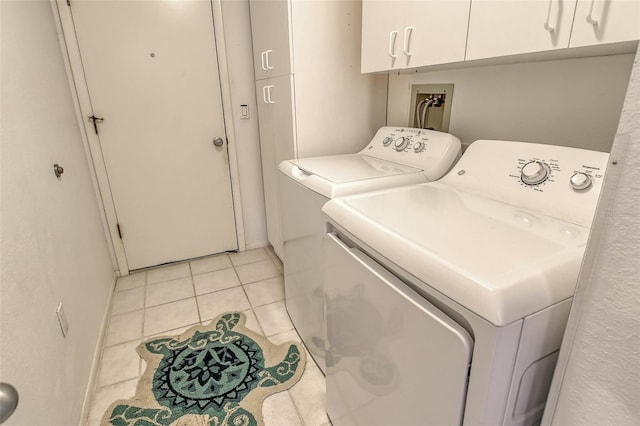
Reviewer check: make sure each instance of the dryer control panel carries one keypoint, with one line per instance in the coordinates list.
(433, 152)
(558, 181)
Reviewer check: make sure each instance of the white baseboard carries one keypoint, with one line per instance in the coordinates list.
(97, 355)
(257, 245)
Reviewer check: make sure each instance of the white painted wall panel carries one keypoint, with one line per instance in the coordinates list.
(597, 380)
(237, 32)
(52, 241)
(571, 102)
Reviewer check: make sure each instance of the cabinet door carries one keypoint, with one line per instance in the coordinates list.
(270, 31)
(277, 143)
(406, 34)
(499, 28)
(434, 31)
(382, 35)
(605, 21)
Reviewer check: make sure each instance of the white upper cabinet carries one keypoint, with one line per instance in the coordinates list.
(398, 34)
(605, 21)
(401, 34)
(271, 42)
(501, 28)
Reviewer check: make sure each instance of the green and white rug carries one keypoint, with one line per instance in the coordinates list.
(214, 375)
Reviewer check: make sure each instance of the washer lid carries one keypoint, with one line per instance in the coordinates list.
(351, 167)
(499, 261)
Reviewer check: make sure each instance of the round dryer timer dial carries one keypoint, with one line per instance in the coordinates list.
(534, 172)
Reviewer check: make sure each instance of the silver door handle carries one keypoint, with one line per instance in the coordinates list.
(218, 141)
(8, 401)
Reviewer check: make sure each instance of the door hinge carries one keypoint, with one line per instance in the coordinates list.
(119, 230)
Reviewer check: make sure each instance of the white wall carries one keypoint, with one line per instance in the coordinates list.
(597, 380)
(237, 32)
(572, 102)
(52, 241)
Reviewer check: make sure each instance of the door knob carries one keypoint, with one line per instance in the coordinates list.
(218, 141)
(8, 401)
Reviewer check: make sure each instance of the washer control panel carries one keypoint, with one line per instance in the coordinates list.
(404, 139)
(434, 152)
(559, 181)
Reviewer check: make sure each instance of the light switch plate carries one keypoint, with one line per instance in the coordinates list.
(244, 112)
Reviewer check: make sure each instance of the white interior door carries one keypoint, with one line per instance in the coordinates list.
(152, 74)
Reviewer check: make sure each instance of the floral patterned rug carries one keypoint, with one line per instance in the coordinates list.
(214, 375)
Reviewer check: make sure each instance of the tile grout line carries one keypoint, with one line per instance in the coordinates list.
(244, 291)
(195, 294)
(144, 316)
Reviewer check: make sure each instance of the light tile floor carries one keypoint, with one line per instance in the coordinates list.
(168, 300)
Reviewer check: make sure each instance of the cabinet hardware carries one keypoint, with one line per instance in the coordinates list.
(590, 14)
(547, 26)
(266, 56)
(392, 44)
(407, 38)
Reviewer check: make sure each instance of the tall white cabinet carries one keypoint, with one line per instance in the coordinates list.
(312, 99)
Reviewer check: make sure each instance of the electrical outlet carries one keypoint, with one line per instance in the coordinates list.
(62, 319)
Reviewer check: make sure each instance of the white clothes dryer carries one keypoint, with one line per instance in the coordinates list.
(446, 302)
(395, 156)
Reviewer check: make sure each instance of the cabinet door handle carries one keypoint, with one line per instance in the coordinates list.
(269, 67)
(392, 44)
(546, 24)
(407, 37)
(590, 14)
(269, 101)
(262, 55)
(264, 94)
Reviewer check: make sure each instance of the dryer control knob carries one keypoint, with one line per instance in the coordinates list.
(534, 172)
(387, 141)
(418, 147)
(580, 181)
(402, 143)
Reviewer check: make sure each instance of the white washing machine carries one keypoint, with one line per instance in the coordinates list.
(446, 302)
(395, 156)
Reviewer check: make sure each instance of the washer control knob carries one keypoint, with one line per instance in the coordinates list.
(401, 143)
(387, 141)
(580, 181)
(418, 147)
(534, 172)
